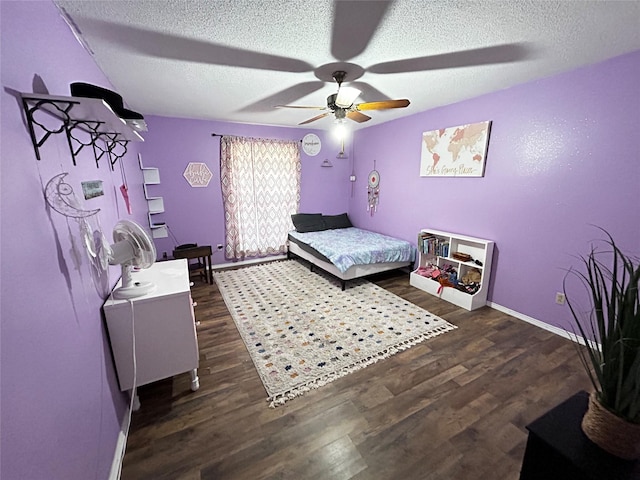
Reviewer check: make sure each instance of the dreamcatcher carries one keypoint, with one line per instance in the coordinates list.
(373, 190)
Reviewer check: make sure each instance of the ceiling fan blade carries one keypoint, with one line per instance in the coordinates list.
(307, 107)
(354, 24)
(510, 52)
(357, 116)
(383, 105)
(318, 117)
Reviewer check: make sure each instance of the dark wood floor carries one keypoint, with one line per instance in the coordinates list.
(454, 407)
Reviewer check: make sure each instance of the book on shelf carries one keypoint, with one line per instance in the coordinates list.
(433, 245)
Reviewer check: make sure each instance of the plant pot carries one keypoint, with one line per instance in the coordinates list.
(610, 432)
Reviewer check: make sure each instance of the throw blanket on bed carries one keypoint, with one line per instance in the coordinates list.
(346, 247)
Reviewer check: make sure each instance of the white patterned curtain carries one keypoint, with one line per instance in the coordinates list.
(260, 189)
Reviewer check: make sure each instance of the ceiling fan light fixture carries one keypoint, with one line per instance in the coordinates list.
(341, 130)
(346, 96)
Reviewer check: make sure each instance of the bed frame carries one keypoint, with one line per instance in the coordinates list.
(356, 271)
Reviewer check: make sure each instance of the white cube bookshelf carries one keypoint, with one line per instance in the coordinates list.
(480, 250)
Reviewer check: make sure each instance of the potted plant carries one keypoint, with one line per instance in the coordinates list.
(611, 355)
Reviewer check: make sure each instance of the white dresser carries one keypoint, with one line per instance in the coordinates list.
(165, 333)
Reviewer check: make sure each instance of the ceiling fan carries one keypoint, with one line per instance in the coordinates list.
(342, 106)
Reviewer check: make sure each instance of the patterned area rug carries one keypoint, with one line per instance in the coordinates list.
(302, 331)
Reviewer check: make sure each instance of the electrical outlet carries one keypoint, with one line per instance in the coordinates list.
(219, 246)
(560, 298)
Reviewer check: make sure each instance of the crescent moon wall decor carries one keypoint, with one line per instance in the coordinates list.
(60, 197)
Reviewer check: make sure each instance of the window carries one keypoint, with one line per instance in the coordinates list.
(261, 189)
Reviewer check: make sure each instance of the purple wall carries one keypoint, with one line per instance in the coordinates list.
(562, 156)
(195, 215)
(61, 409)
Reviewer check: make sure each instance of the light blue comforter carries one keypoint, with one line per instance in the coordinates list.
(346, 247)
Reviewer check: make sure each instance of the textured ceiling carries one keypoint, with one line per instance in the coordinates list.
(235, 60)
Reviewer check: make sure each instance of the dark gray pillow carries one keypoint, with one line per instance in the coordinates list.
(308, 222)
(337, 221)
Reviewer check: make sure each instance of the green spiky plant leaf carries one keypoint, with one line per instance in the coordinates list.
(612, 359)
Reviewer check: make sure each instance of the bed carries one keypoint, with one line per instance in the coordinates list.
(331, 243)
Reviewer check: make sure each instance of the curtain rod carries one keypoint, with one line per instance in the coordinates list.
(219, 135)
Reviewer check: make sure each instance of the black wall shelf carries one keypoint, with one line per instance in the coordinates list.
(90, 115)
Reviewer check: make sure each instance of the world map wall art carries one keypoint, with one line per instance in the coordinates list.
(455, 151)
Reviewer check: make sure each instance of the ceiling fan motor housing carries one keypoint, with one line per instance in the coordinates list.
(339, 112)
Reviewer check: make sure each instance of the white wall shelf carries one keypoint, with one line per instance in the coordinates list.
(155, 205)
(436, 247)
(151, 175)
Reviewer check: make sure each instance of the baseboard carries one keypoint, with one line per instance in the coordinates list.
(540, 324)
(121, 445)
(220, 266)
